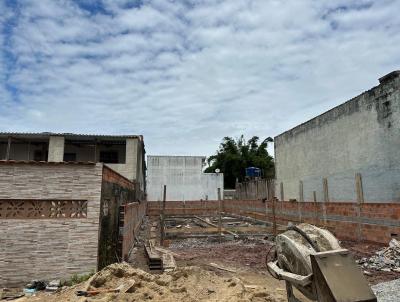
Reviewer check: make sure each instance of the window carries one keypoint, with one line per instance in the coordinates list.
(38, 155)
(69, 156)
(109, 157)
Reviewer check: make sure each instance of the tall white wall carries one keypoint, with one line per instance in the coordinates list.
(359, 136)
(183, 177)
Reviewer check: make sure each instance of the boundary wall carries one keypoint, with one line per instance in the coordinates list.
(375, 222)
(131, 220)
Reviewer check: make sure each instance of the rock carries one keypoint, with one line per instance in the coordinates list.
(56, 283)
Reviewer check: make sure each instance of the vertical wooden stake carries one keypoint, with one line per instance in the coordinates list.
(219, 215)
(315, 207)
(360, 201)
(301, 191)
(359, 188)
(282, 193)
(326, 191)
(162, 222)
(274, 230)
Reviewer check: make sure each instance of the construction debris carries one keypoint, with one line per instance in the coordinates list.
(184, 284)
(387, 259)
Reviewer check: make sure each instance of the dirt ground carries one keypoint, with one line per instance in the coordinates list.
(188, 283)
(208, 270)
(244, 260)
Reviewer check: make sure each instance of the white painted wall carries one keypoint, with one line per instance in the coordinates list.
(183, 177)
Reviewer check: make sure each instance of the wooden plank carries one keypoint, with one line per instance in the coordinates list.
(238, 230)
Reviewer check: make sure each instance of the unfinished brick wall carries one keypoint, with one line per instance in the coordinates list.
(56, 247)
(377, 222)
(196, 207)
(132, 216)
(120, 215)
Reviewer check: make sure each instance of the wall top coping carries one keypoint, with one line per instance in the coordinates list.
(334, 113)
(32, 162)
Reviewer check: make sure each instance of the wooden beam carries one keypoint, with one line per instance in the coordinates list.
(162, 222)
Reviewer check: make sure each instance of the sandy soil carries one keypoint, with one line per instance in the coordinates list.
(185, 284)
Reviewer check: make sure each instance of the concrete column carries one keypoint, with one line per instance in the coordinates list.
(56, 149)
(131, 159)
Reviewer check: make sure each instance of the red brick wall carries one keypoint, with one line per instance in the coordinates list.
(376, 222)
(112, 176)
(198, 207)
(132, 219)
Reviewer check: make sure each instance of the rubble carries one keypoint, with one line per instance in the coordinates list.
(386, 260)
(184, 284)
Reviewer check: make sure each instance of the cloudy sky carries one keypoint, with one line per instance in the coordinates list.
(186, 73)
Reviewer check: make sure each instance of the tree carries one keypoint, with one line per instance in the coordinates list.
(234, 156)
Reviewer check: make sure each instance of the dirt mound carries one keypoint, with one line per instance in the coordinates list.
(183, 284)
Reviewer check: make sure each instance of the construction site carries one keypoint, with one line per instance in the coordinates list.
(83, 218)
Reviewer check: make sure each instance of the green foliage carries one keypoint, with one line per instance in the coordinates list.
(76, 279)
(234, 156)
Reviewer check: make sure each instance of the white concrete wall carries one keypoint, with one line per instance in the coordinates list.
(183, 177)
(56, 149)
(359, 136)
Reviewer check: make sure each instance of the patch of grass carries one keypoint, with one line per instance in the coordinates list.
(78, 278)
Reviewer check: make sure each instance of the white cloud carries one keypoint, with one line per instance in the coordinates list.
(187, 73)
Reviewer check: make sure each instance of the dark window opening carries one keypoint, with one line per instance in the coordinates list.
(69, 156)
(39, 155)
(109, 157)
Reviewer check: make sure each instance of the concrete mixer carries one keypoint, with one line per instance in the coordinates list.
(312, 260)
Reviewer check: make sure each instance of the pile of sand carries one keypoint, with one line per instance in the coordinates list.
(183, 284)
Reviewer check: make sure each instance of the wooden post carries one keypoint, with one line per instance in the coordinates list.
(282, 193)
(315, 207)
(162, 223)
(8, 148)
(301, 191)
(326, 198)
(359, 188)
(326, 191)
(274, 231)
(360, 201)
(219, 215)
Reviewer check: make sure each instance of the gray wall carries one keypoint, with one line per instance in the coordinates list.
(54, 247)
(184, 178)
(359, 136)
